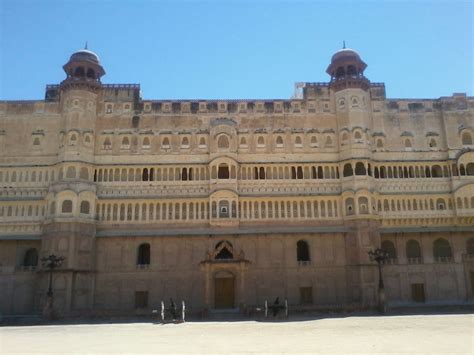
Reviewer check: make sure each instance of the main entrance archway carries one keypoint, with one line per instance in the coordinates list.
(224, 290)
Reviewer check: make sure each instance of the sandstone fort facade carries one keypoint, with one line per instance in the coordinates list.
(226, 203)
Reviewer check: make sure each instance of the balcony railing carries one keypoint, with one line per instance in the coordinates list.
(415, 261)
(443, 259)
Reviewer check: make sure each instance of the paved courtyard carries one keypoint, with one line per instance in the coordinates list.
(415, 334)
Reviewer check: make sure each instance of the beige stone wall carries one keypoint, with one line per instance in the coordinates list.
(94, 173)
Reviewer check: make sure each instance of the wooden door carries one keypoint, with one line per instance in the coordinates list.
(224, 292)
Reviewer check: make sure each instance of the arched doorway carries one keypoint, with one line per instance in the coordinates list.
(224, 290)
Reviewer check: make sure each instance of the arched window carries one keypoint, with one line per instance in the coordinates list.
(145, 174)
(223, 142)
(357, 135)
(350, 206)
(408, 143)
(223, 172)
(433, 143)
(185, 142)
(328, 141)
(345, 137)
(379, 143)
(441, 248)
(466, 138)
(440, 204)
(79, 72)
(31, 258)
(90, 73)
(66, 206)
(470, 169)
(363, 205)
(243, 142)
(347, 170)
(125, 143)
(71, 172)
(36, 141)
(223, 251)
(202, 142)
(389, 247)
(224, 209)
(165, 143)
(279, 141)
(360, 169)
(298, 142)
(146, 143)
(302, 251)
(314, 141)
(143, 254)
(85, 207)
(107, 144)
(260, 142)
(470, 246)
(413, 249)
(436, 171)
(84, 174)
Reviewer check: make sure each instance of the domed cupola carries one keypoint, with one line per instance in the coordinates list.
(83, 70)
(347, 70)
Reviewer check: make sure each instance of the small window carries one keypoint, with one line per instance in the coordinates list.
(298, 142)
(85, 207)
(202, 142)
(260, 142)
(126, 107)
(73, 139)
(30, 259)
(357, 135)
(466, 138)
(341, 103)
(87, 140)
(223, 142)
(108, 108)
(36, 141)
(314, 141)
(328, 141)
(243, 142)
(146, 143)
(185, 143)
(165, 143)
(302, 251)
(107, 144)
(379, 143)
(279, 141)
(143, 254)
(408, 144)
(125, 143)
(66, 206)
(433, 143)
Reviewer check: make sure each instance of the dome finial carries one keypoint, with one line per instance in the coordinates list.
(85, 47)
(344, 44)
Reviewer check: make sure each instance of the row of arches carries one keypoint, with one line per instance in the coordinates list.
(24, 210)
(414, 204)
(152, 174)
(203, 210)
(245, 172)
(67, 207)
(36, 175)
(442, 250)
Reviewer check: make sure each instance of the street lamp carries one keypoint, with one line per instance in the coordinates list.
(379, 256)
(50, 262)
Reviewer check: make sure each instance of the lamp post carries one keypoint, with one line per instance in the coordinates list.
(50, 262)
(379, 256)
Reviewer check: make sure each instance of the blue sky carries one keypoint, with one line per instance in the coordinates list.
(237, 49)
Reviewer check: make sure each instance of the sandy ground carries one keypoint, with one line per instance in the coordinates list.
(420, 334)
